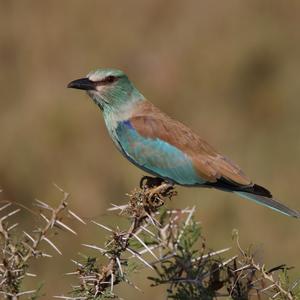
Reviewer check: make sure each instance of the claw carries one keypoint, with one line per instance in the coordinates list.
(160, 190)
(150, 182)
(156, 189)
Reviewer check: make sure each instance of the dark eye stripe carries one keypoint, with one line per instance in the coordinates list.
(107, 80)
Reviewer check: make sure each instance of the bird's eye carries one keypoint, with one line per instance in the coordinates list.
(109, 79)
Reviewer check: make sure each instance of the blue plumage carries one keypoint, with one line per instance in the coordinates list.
(156, 156)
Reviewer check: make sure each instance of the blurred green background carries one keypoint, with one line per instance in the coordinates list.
(228, 69)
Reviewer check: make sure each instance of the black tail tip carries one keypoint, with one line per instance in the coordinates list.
(260, 190)
(295, 214)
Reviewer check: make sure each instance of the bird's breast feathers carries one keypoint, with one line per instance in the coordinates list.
(167, 148)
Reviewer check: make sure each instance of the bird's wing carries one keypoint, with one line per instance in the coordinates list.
(156, 156)
(171, 150)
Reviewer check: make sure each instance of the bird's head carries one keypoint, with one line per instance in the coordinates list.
(109, 88)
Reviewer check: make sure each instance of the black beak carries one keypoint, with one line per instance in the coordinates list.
(82, 84)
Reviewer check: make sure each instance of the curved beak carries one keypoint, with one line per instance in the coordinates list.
(82, 84)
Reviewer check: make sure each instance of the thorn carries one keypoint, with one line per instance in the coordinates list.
(51, 244)
(77, 263)
(10, 214)
(242, 268)
(5, 206)
(154, 222)
(118, 207)
(112, 281)
(72, 273)
(152, 248)
(58, 187)
(295, 284)
(190, 214)
(208, 255)
(30, 274)
(12, 226)
(228, 261)
(45, 218)
(102, 226)
(70, 298)
(29, 236)
(267, 288)
(25, 293)
(274, 296)
(139, 257)
(119, 265)
(65, 226)
(94, 247)
(46, 255)
(43, 205)
(150, 232)
(142, 242)
(76, 216)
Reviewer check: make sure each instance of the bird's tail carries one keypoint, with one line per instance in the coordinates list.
(269, 202)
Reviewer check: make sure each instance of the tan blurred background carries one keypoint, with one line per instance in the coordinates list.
(228, 69)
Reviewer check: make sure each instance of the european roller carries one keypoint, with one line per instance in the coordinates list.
(164, 147)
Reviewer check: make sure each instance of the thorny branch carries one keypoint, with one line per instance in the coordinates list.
(167, 241)
(16, 253)
(170, 243)
(96, 281)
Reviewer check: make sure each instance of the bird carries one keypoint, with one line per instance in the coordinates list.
(164, 147)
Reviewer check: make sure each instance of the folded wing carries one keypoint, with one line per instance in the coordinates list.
(168, 149)
(209, 165)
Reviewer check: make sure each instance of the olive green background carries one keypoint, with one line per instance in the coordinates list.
(228, 69)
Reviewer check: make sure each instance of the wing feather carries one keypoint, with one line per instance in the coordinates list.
(210, 165)
(156, 156)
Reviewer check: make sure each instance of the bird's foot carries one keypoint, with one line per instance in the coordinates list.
(164, 190)
(150, 182)
(157, 189)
